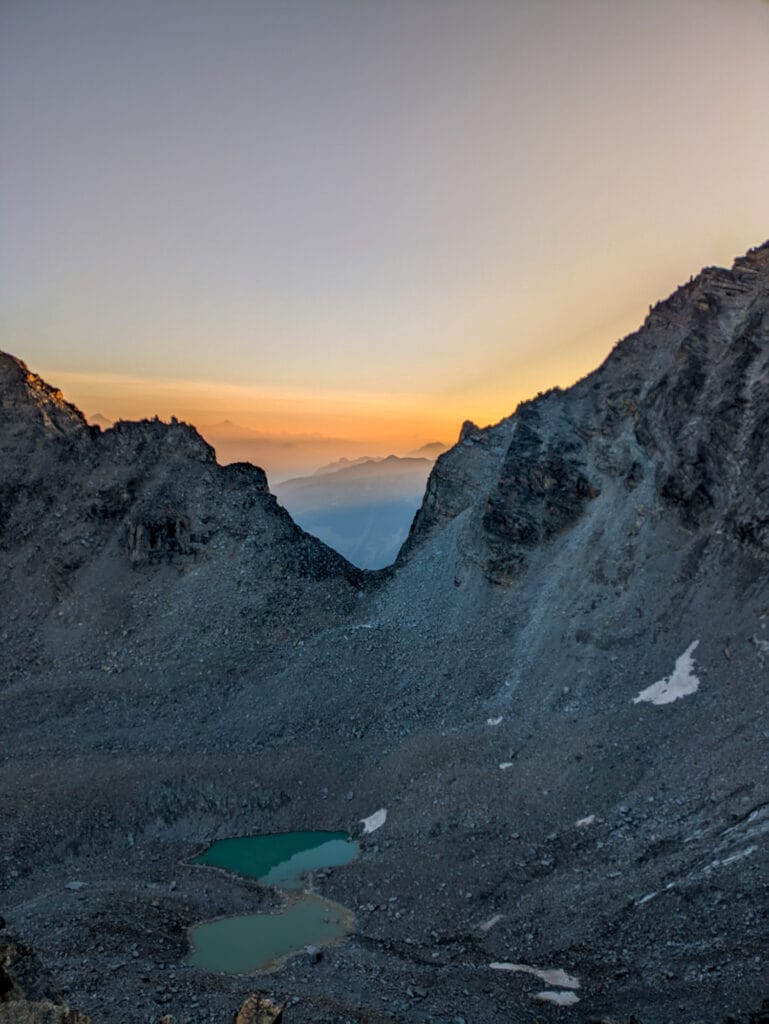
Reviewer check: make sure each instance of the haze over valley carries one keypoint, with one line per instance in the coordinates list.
(363, 510)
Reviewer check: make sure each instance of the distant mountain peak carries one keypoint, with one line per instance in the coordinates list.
(431, 450)
(344, 463)
(97, 419)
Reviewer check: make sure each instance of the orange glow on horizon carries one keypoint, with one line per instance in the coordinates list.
(472, 209)
(385, 421)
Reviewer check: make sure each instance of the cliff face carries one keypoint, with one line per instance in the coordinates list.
(677, 416)
(103, 533)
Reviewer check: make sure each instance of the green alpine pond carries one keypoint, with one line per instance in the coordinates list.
(253, 942)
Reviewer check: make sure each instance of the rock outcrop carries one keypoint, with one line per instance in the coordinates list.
(24, 990)
(259, 1010)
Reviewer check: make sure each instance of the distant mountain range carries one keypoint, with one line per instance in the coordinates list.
(429, 451)
(278, 454)
(362, 508)
(284, 455)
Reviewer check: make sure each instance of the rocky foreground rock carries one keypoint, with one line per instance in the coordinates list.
(559, 695)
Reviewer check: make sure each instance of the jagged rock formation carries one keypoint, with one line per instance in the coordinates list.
(680, 404)
(127, 529)
(459, 475)
(559, 696)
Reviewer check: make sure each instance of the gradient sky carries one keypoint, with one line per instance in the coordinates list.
(370, 219)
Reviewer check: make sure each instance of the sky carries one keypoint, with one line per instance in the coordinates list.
(354, 224)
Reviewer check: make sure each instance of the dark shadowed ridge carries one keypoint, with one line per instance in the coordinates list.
(91, 518)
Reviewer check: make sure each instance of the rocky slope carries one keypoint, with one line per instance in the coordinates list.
(559, 696)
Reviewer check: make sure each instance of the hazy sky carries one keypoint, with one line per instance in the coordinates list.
(363, 218)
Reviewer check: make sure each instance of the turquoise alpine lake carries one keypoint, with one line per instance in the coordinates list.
(254, 942)
(280, 859)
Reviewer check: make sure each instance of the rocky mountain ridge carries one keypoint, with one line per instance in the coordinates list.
(559, 696)
(91, 518)
(675, 399)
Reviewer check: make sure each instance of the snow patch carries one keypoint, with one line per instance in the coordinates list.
(653, 895)
(584, 822)
(493, 721)
(557, 998)
(739, 855)
(729, 860)
(374, 821)
(756, 824)
(680, 683)
(550, 975)
(645, 899)
(488, 925)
